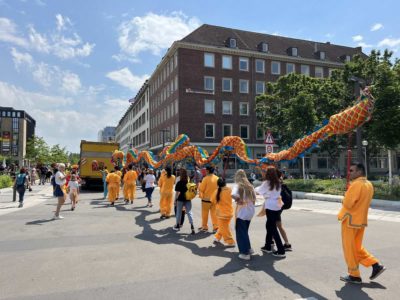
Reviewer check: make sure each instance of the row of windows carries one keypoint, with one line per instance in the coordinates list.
(209, 107)
(140, 138)
(209, 62)
(244, 131)
(164, 73)
(165, 114)
(168, 135)
(227, 85)
(171, 87)
(11, 114)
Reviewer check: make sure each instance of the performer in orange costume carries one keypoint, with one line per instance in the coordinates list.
(130, 184)
(354, 217)
(222, 200)
(207, 187)
(166, 184)
(114, 181)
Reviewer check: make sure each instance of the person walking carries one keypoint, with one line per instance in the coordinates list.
(60, 190)
(149, 187)
(270, 189)
(130, 184)
(73, 190)
(282, 231)
(354, 219)
(245, 198)
(181, 201)
(33, 176)
(166, 184)
(104, 173)
(20, 184)
(222, 200)
(113, 183)
(206, 188)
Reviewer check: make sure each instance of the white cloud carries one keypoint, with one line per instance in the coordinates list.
(154, 32)
(365, 45)
(71, 83)
(357, 38)
(125, 78)
(389, 42)
(44, 74)
(9, 34)
(21, 59)
(376, 27)
(62, 22)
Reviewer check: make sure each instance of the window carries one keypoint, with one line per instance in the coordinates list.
(244, 108)
(293, 51)
(227, 84)
(243, 86)
(260, 66)
(244, 131)
(208, 83)
(275, 67)
(227, 62)
(209, 130)
(305, 70)
(322, 55)
(347, 58)
(322, 162)
(263, 47)
(259, 133)
(226, 107)
(232, 43)
(209, 60)
(243, 64)
(260, 87)
(319, 72)
(330, 71)
(209, 106)
(290, 68)
(226, 130)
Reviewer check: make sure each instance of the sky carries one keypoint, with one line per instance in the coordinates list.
(73, 65)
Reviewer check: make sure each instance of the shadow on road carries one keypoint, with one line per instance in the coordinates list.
(353, 291)
(39, 222)
(258, 263)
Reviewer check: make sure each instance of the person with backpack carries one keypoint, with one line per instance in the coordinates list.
(206, 188)
(270, 189)
(245, 198)
(286, 195)
(182, 201)
(224, 210)
(21, 181)
(166, 184)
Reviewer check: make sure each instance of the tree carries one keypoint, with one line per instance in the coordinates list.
(37, 150)
(74, 158)
(58, 154)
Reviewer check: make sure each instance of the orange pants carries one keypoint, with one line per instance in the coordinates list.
(129, 191)
(113, 192)
(166, 204)
(354, 252)
(206, 208)
(224, 231)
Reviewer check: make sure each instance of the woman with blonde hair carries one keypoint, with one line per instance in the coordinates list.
(60, 190)
(245, 197)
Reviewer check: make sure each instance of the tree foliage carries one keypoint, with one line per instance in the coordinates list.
(38, 151)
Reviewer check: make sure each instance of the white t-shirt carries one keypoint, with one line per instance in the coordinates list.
(150, 179)
(272, 198)
(247, 210)
(73, 186)
(60, 178)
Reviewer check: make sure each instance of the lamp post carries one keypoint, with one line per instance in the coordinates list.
(365, 144)
(163, 137)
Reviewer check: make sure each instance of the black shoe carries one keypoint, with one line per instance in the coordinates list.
(162, 217)
(277, 254)
(167, 217)
(20, 205)
(351, 279)
(72, 208)
(377, 270)
(287, 247)
(112, 204)
(266, 249)
(176, 228)
(193, 232)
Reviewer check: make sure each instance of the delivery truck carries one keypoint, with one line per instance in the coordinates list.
(94, 157)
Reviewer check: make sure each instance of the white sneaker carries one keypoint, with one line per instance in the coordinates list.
(244, 256)
(59, 217)
(251, 251)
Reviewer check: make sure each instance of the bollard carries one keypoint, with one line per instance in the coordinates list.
(14, 194)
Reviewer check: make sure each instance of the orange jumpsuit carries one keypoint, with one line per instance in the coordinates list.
(166, 192)
(130, 185)
(207, 187)
(224, 212)
(354, 218)
(114, 182)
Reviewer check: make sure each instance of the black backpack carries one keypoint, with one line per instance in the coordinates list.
(287, 197)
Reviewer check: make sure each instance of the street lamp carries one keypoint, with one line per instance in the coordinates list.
(163, 137)
(365, 144)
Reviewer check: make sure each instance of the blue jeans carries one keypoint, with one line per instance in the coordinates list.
(188, 207)
(242, 235)
(149, 192)
(105, 189)
(21, 192)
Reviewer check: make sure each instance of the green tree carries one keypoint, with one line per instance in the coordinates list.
(37, 150)
(58, 154)
(74, 158)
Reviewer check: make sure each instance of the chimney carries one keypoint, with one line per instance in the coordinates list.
(315, 47)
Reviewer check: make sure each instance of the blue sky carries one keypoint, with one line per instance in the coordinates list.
(73, 65)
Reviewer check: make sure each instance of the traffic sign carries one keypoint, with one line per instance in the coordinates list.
(269, 148)
(269, 139)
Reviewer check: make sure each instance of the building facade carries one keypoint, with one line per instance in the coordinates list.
(133, 128)
(107, 134)
(16, 128)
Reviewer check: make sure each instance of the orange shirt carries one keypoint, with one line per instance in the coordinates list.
(166, 184)
(130, 177)
(208, 186)
(224, 208)
(113, 179)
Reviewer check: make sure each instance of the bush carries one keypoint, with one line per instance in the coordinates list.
(338, 187)
(5, 181)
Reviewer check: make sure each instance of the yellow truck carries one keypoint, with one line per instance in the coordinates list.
(94, 157)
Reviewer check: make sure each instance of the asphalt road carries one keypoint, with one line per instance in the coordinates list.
(127, 252)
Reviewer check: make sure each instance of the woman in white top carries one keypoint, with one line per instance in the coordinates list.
(270, 189)
(149, 187)
(73, 187)
(243, 193)
(60, 180)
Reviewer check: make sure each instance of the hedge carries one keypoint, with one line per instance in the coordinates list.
(5, 181)
(338, 186)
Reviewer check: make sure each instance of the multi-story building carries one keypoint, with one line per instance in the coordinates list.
(16, 128)
(107, 134)
(133, 128)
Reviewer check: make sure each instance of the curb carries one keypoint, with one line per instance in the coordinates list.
(334, 198)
